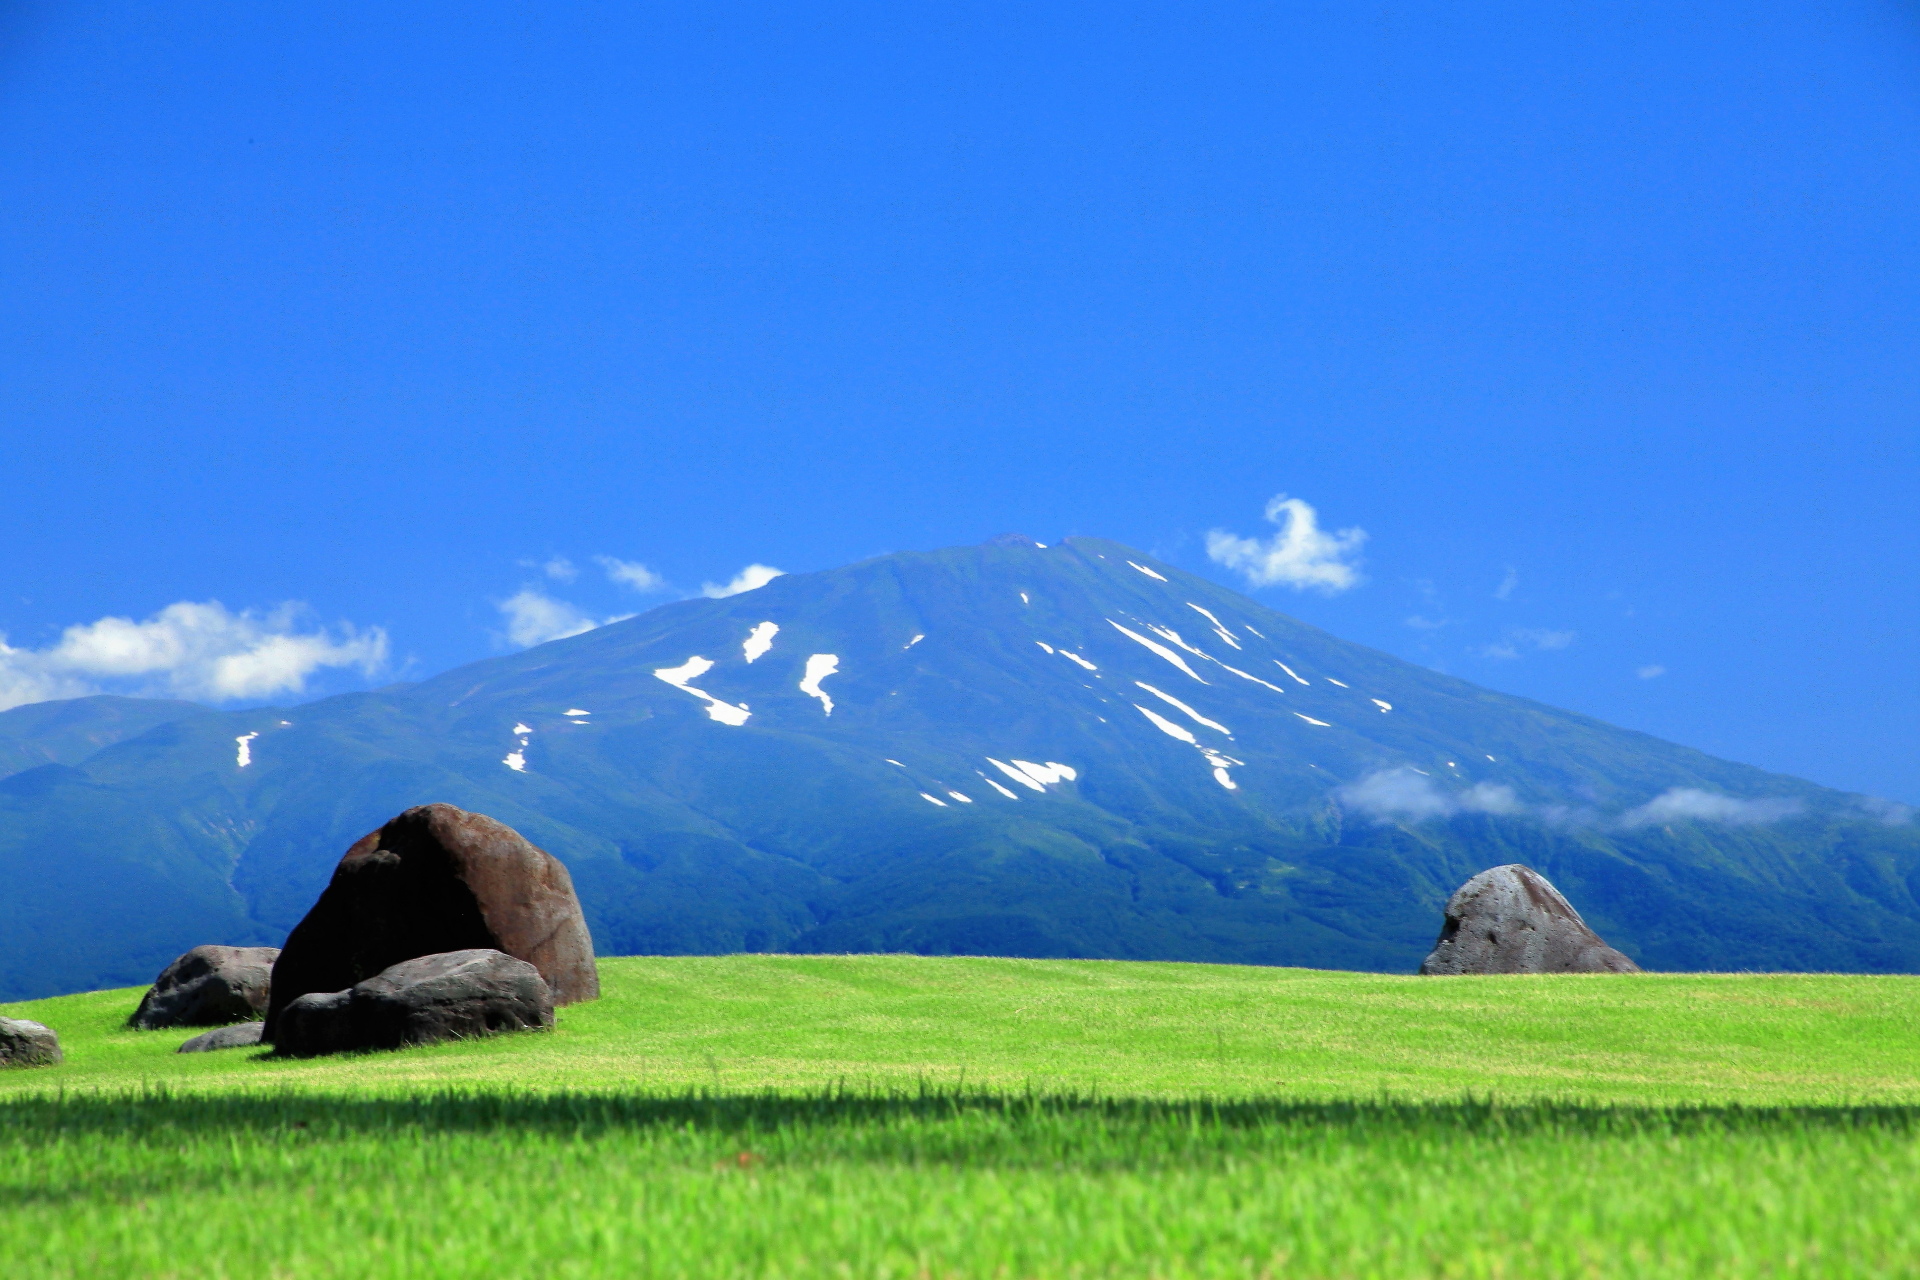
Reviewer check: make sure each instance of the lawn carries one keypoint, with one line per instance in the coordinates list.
(901, 1116)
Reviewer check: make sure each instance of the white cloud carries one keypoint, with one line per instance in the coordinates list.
(1891, 812)
(1301, 555)
(1684, 804)
(1652, 671)
(751, 578)
(1522, 639)
(1507, 584)
(187, 650)
(1419, 623)
(534, 617)
(560, 569)
(631, 573)
(1405, 793)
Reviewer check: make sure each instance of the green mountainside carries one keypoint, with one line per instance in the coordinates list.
(972, 768)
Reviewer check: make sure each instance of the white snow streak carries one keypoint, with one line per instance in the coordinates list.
(1310, 720)
(1168, 633)
(1192, 715)
(759, 640)
(916, 640)
(1023, 598)
(1384, 706)
(1046, 774)
(1044, 645)
(575, 711)
(1218, 629)
(1074, 657)
(933, 800)
(1150, 573)
(963, 799)
(1244, 676)
(692, 669)
(244, 756)
(891, 760)
(1225, 779)
(1168, 727)
(521, 727)
(819, 667)
(1160, 649)
(1017, 775)
(997, 787)
(1289, 670)
(516, 761)
(1254, 632)
(1342, 683)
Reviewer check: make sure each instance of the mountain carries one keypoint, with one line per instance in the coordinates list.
(1072, 750)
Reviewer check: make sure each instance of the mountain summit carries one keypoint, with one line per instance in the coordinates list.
(1067, 750)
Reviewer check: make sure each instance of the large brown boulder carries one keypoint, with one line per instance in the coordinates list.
(438, 879)
(208, 987)
(1510, 920)
(456, 996)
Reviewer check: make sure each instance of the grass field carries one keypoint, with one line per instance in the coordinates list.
(897, 1116)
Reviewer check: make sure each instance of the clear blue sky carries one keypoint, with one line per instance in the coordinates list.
(1600, 319)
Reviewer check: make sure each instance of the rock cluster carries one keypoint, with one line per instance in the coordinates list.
(28, 1044)
(208, 987)
(435, 880)
(1510, 920)
(449, 996)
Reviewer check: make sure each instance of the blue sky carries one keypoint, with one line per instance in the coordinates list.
(1599, 320)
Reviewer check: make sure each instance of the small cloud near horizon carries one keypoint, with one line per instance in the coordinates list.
(751, 578)
(1409, 794)
(1301, 555)
(1686, 804)
(533, 617)
(1507, 584)
(1652, 671)
(188, 650)
(631, 573)
(1525, 639)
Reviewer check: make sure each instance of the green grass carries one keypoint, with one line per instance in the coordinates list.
(897, 1116)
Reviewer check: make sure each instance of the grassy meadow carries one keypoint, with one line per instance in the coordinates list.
(903, 1116)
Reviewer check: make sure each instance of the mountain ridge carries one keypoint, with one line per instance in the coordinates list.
(1238, 785)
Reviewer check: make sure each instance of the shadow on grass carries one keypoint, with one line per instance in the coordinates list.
(155, 1112)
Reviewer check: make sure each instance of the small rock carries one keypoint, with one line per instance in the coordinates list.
(438, 879)
(454, 995)
(28, 1044)
(240, 1035)
(1510, 920)
(208, 987)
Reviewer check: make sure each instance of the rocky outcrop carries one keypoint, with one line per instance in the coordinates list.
(28, 1044)
(438, 879)
(208, 987)
(453, 996)
(1510, 920)
(241, 1035)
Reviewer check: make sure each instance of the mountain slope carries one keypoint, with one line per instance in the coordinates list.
(1060, 751)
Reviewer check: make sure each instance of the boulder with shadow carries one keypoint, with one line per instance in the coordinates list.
(209, 987)
(28, 1044)
(437, 879)
(1510, 920)
(456, 995)
(241, 1035)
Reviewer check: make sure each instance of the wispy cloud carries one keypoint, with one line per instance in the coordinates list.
(1407, 794)
(188, 650)
(631, 573)
(1528, 639)
(751, 578)
(1891, 812)
(533, 617)
(1419, 623)
(1652, 671)
(1507, 584)
(1302, 555)
(1690, 804)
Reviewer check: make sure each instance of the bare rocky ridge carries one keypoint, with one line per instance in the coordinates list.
(208, 987)
(454, 996)
(1511, 920)
(438, 879)
(28, 1044)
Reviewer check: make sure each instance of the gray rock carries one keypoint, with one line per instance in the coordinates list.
(453, 995)
(438, 879)
(1510, 920)
(208, 987)
(240, 1035)
(28, 1044)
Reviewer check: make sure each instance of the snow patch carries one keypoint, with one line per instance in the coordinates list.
(1044, 645)
(1289, 670)
(1023, 598)
(576, 711)
(916, 640)
(1047, 774)
(1254, 632)
(521, 727)
(1192, 715)
(516, 761)
(1017, 775)
(1157, 648)
(819, 667)
(1244, 676)
(1384, 706)
(1310, 720)
(759, 640)
(1150, 573)
(933, 799)
(1074, 657)
(963, 799)
(997, 787)
(1168, 633)
(693, 668)
(244, 756)
(1218, 629)
(890, 760)
(1342, 683)
(1225, 779)
(1168, 727)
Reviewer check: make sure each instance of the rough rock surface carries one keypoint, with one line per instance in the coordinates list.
(208, 987)
(28, 1044)
(240, 1035)
(438, 879)
(452, 996)
(1510, 920)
